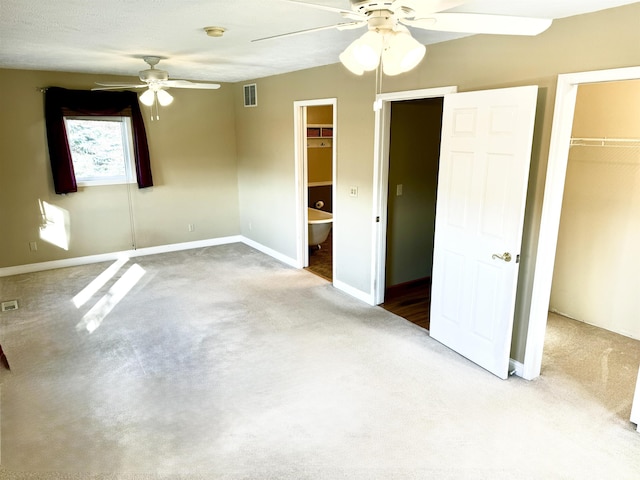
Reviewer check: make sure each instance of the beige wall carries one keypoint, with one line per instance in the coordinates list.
(320, 114)
(597, 263)
(413, 163)
(193, 159)
(266, 167)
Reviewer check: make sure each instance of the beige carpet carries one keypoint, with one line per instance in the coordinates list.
(222, 363)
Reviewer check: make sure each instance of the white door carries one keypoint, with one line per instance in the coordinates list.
(482, 185)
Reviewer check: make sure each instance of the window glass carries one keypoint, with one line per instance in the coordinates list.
(100, 149)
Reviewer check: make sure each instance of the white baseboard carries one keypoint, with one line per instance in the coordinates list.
(112, 256)
(107, 257)
(516, 367)
(271, 252)
(354, 292)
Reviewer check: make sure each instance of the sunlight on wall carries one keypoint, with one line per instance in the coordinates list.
(90, 290)
(94, 317)
(55, 227)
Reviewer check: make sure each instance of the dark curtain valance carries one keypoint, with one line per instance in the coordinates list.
(60, 102)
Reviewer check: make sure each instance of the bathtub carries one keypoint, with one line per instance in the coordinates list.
(319, 226)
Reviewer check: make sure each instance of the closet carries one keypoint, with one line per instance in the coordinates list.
(596, 271)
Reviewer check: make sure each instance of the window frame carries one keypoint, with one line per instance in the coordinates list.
(127, 151)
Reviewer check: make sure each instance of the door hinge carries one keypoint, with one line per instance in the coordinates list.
(377, 219)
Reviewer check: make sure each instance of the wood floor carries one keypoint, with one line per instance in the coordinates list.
(410, 300)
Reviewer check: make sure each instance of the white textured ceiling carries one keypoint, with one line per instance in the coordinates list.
(111, 36)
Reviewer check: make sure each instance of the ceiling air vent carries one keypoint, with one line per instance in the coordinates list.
(250, 95)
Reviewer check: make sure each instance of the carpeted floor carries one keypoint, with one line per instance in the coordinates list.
(222, 363)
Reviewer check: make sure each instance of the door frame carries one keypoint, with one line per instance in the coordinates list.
(382, 136)
(566, 92)
(301, 173)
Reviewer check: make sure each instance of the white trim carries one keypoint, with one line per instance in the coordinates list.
(269, 251)
(635, 405)
(174, 247)
(381, 179)
(300, 164)
(566, 92)
(106, 257)
(416, 94)
(354, 292)
(515, 367)
(126, 131)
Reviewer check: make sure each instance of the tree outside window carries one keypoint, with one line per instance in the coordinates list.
(100, 149)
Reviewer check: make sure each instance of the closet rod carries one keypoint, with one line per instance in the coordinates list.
(604, 142)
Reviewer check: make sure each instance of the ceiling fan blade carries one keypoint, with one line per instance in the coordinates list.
(121, 85)
(188, 84)
(423, 8)
(345, 13)
(350, 25)
(116, 87)
(481, 23)
(339, 26)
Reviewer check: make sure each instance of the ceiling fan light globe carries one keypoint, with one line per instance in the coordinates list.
(350, 62)
(367, 50)
(148, 97)
(413, 57)
(164, 98)
(390, 65)
(402, 53)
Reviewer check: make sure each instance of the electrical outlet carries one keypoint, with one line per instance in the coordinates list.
(9, 305)
(191, 227)
(33, 246)
(399, 190)
(353, 191)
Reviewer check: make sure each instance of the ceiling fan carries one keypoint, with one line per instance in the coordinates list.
(156, 82)
(389, 41)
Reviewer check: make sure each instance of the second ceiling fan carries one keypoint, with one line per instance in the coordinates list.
(156, 82)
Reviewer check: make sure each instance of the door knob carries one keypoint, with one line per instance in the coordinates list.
(506, 256)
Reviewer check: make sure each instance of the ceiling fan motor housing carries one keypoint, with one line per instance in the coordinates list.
(364, 6)
(153, 75)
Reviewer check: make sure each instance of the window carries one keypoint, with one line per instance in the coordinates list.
(100, 149)
(61, 103)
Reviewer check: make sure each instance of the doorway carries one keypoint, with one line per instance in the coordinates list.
(381, 191)
(601, 211)
(484, 164)
(563, 118)
(319, 130)
(593, 304)
(315, 158)
(414, 151)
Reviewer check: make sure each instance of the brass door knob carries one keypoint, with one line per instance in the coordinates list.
(506, 256)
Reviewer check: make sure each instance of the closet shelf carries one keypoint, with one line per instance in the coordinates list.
(319, 136)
